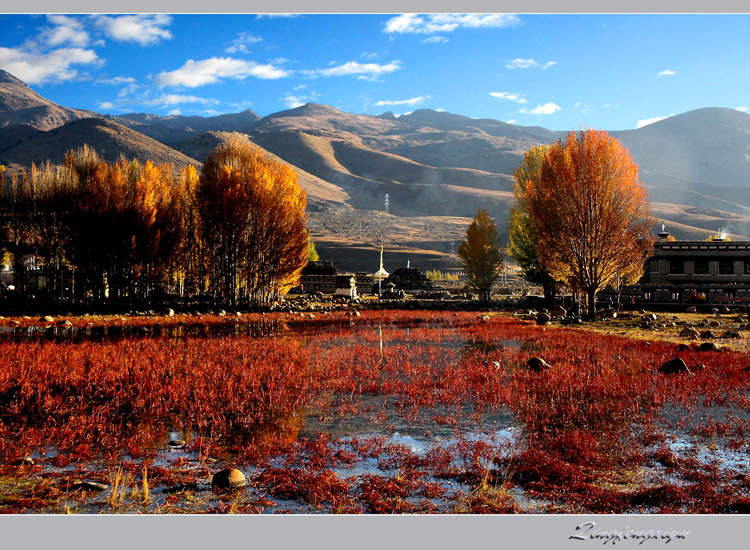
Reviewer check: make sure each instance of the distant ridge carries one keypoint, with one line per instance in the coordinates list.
(19, 104)
(174, 129)
(109, 139)
(437, 167)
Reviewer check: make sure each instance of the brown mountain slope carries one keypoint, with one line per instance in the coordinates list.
(709, 145)
(172, 130)
(19, 104)
(110, 140)
(437, 167)
(320, 193)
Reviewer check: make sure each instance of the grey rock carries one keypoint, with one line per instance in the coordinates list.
(708, 346)
(537, 364)
(675, 366)
(228, 478)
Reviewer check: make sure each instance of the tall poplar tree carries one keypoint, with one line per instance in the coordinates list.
(590, 213)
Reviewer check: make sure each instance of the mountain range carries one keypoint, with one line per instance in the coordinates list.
(436, 167)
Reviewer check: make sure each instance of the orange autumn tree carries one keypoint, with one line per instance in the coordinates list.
(590, 214)
(188, 273)
(126, 230)
(254, 224)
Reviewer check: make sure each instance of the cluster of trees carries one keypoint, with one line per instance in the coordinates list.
(580, 217)
(126, 231)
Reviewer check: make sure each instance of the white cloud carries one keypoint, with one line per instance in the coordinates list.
(299, 87)
(413, 23)
(176, 99)
(519, 63)
(368, 55)
(117, 80)
(546, 109)
(53, 66)
(66, 31)
(666, 72)
(241, 105)
(413, 102)
(510, 96)
(174, 112)
(365, 71)
(106, 105)
(292, 101)
(647, 121)
(437, 39)
(141, 29)
(511, 121)
(743, 109)
(274, 15)
(240, 43)
(207, 71)
(127, 90)
(578, 104)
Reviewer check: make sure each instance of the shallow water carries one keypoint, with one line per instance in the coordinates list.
(347, 422)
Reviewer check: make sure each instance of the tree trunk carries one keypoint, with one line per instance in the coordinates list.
(591, 293)
(549, 291)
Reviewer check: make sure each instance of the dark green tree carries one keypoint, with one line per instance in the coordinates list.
(481, 255)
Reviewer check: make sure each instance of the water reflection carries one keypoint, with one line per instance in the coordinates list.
(114, 332)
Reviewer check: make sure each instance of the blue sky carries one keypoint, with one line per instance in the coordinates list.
(612, 72)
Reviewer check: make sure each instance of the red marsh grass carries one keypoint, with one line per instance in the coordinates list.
(389, 412)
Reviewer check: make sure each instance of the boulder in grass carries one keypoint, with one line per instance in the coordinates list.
(537, 364)
(88, 485)
(725, 310)
(64, 324)
(46, 319)
(692, 309)
(228, 478)
(708, 346)
(713, 311)
(609, 313)
(714, 324)
(560, 311)
(543, 318)
(732, 334)
(690, 333)
(675, 366)
(707, 334)
(168, 312)
(683, 347)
